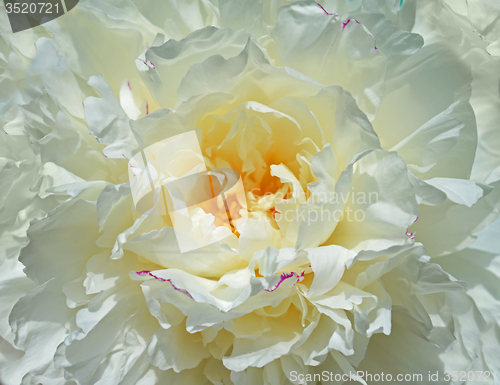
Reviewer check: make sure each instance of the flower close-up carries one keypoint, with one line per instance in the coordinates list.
(250, 192)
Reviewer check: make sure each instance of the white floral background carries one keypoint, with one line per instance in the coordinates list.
(400, 98)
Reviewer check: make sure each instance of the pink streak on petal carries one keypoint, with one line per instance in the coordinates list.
(148, 63)
(283, 277)
(143, 272)
(164, 280)
(324, 10)
(411, 235)
(346, 23)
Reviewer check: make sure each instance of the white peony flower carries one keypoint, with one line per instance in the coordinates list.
(365, 136)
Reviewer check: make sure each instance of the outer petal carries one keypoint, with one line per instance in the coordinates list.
(484, 18)
(172, 60)
(405, 109)
(444, 229)
(319, 45)
(109, 123)
(217, 74)
(84, 37)
(176, 348)
(376, 209)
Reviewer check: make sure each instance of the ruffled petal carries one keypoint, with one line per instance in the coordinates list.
(330, 51)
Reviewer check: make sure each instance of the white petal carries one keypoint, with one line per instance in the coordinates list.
(328, 264)
(449, 227)
(334, 53)
(464, 192)
(173, 59)
(176, 348)
(108, 122)
(381, 202)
